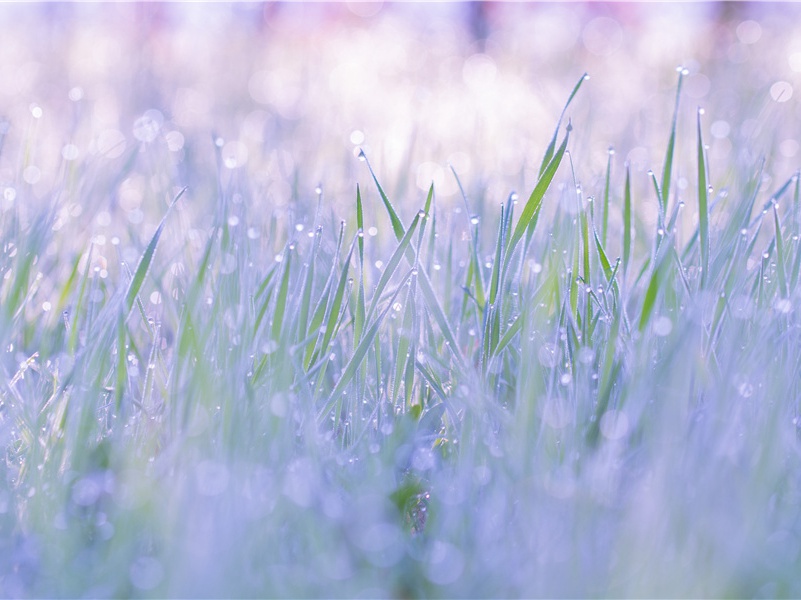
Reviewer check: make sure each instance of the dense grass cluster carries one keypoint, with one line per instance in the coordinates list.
(561, 402)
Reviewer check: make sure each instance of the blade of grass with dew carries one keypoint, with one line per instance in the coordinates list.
(586, 273)
(146, 259)
(397, 225)
(333, 311)
(281, 298)
(529, 215)
(546, 159)
(780, 256)
(612, 366)
(667, 171)
(308, 284)
(312, 349)
(351, 367)
(405, 335)
(606, 266)
(796, 268)
(424, 282)
(121, 381)
(265, 293)
(72, 342)
(607, 182)
(474, 268)
(425, 216)
(652, 291)
(627, 221)
(703, 205)
(391, 267)
(494, 307)
(360, 312)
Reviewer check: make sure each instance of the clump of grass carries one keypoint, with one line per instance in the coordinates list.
(286, 421)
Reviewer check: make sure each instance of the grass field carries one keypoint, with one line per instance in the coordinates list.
(305, 301)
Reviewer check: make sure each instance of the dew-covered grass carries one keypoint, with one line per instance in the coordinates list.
(585, 387)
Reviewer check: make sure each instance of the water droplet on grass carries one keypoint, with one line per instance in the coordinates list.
(663, 326)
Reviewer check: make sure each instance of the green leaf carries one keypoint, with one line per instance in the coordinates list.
(552, 145)
(530, 213)
(627, 221)
(668, 167)
(145, 261)
(780, 256)
(703, 206)
(358, 356)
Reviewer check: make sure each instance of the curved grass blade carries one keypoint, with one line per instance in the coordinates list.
(145, 261)
(530, 213)
(552, 145)
(424, 282)
(392, 265)
(474, 268)
(397, 225)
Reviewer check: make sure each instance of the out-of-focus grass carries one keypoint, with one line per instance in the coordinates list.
(262, 386)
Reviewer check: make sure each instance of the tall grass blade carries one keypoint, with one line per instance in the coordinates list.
(146, 259)
(627, 221)
(780, 255)
(667, 171)
(358, 355)
(703, 205)
(529, 215)
(546, 159)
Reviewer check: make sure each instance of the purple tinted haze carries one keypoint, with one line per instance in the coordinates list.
(477, 85)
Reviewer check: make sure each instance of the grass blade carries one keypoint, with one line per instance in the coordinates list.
(145, 261)
(703, 205)
(667, 171)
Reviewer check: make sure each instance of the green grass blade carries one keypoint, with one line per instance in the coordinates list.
(397, 225)
(703, 205)
(546, 159)
(281, 299)
(72, 342)
(780, 256)
(358, 355)
(333, 312)
(391, 267)
(651, 293)
(667, 171)
(607, 182)
(474, 273)
(530, 213)
(145, 261)
(627, 221)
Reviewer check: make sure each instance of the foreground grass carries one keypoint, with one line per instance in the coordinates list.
(308, 408)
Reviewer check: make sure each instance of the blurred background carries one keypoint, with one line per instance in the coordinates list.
(282, 96)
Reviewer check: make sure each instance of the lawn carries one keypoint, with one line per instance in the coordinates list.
(357, 300)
